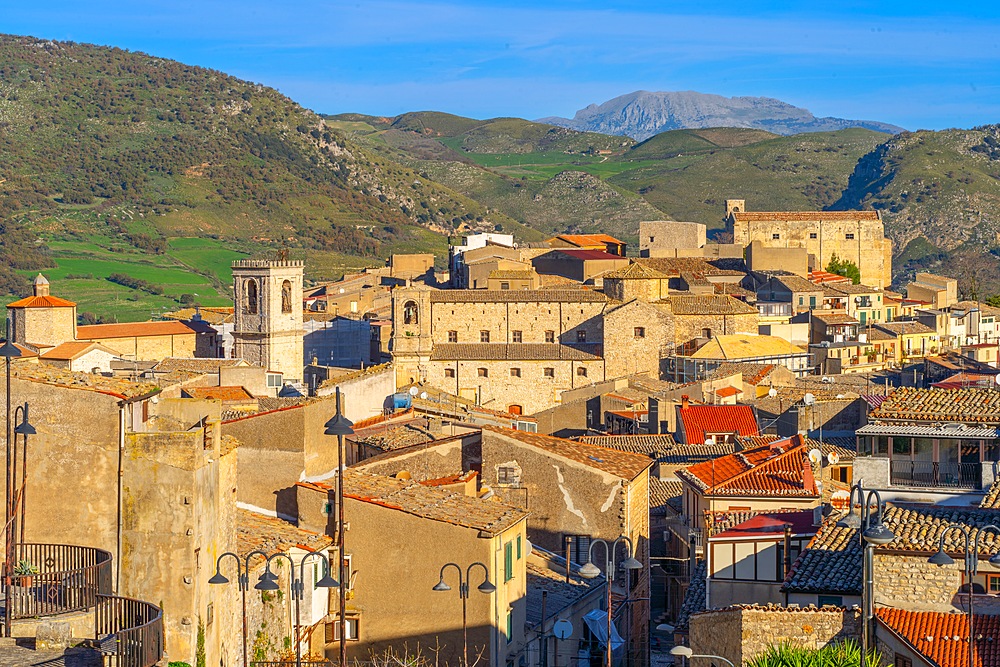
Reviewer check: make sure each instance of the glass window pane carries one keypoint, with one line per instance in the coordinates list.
(949, 450)
(900, 447)
(970, 451)
(881, 446)
(990, 450)
(923, 449)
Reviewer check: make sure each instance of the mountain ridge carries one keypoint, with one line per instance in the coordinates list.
(643, 114)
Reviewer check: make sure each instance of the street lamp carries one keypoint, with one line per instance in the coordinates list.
(8, 351)
(589, 571)
(341, 426)
(243, 581)
(971, 565)
(298, 589)
(24, 429)
(463, 592)
(685, 652)
(871, 533)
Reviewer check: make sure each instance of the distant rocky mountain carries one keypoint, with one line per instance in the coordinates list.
(643, 114)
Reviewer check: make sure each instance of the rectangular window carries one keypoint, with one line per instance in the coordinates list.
(484, 336)
(579, 548)
(581, 371)
(515, 372)
(508, 475)
(510, 627)
(550, 336)
(830, 601)
(449, 372)
(549, 372)
(812, 235)
(332, 630)
(775, 237)
(504, 285)
(519, 547)
(901, 661)
(850, 237)
(581, 336)
(210, 610)
(516, 336)
(483, 372)
(452, 336)
(508, 561)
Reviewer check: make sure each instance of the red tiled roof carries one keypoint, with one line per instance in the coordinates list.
(725, 392)
(72, 350)
(772, 524)
(780, 469)
(699, 420)
(219, 393)
(944, 637)
(587, 239)
(132, 330)
(41, 302)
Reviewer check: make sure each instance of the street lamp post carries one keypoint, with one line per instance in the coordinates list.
(685, 652)
(243, 581)
(267, 583)
(8, 351)
(871, 533)
(24, 429)
(589, 571)
(971, 566)
(341, 426)
(463, 592)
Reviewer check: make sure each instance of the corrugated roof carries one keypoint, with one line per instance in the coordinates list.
(41, 302)
(625, 465)
(515, 352)
(430, 502)
(132, 330)
(943, 637)
(580, 295)
(746, 346)
(929, 431)
(700, 421)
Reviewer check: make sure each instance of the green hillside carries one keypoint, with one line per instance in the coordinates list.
(112, 148)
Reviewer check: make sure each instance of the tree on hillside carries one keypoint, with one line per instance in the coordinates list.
(844, 267)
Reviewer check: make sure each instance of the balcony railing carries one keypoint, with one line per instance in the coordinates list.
(69, 578)
(927, 474)
(129, 632)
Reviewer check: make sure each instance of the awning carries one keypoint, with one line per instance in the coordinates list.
(597, 621)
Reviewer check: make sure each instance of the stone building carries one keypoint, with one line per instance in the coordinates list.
(42, 319)
(668, 238)
(858, 236)
(268, 318)
(519, 350)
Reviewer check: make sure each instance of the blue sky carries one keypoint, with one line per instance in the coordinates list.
(915, 64)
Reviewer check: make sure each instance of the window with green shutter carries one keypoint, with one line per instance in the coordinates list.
(519, 547)
(510, 626)
(508, 561)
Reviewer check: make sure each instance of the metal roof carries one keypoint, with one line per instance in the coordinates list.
(955, 431)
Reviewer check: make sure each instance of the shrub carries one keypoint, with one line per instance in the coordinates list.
(841, 654)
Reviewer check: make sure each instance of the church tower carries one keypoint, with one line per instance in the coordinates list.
(267, 318)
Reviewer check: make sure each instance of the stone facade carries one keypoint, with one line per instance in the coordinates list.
(43, 326)
(662, 238)
(688, 327)
(268, 317)
(858, 236)
(743, 632)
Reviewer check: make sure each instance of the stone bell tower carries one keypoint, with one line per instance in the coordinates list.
(268, 315)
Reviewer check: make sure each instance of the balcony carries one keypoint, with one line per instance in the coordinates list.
(931, 474)
(129, 631)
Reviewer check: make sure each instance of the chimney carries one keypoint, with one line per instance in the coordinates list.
(685, 402)
(808, 481)
(41, 286)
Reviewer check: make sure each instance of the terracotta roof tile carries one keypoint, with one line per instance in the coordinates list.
(201, 365)
(515, 352)
(512, 274)
(547, 573)
(664, 495)
(696, 453)
(587, 255)
(270, 534)
(778, 470)
(118, 387)
(708, 305)
(587, 239)
(960, 405)
(944, 637)
(518, 296)
(650, 445)
(625, 465)
(132, 329)
(674, 266)
(429, 502)
(752, 373)
(694, 597)
(218, 393)
(635, 272)
(700, 421)
(41, 302)
(903, 328)
(72, 350)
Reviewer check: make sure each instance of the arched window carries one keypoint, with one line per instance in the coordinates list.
(252, 306)
(410, 315)
(286, 296)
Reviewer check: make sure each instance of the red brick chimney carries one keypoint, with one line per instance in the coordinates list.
(685, 402)
(808, 481)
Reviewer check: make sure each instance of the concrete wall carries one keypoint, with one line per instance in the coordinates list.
(660, 238)
(742, 633)
(763, 258)
(364, 393)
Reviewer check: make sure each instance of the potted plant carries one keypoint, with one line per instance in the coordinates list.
(25, 571)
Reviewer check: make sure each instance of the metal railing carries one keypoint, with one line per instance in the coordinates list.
(68, 578)
(934, 474)
(129, 632)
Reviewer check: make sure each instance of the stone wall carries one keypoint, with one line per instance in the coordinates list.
(265, 333)
(47, 326)
(660, 238)
(626, 352)
(688, 327)
(742, 632)
(153, 348)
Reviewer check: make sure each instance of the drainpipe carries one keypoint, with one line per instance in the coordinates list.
(122, 407)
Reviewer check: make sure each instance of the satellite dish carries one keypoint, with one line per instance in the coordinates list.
(772, 392)
(997, 379)
(815, 456)
(413, 391)
(527, 548)
(562, 629)
(808, 399)
(423, 395)
(833, 458)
